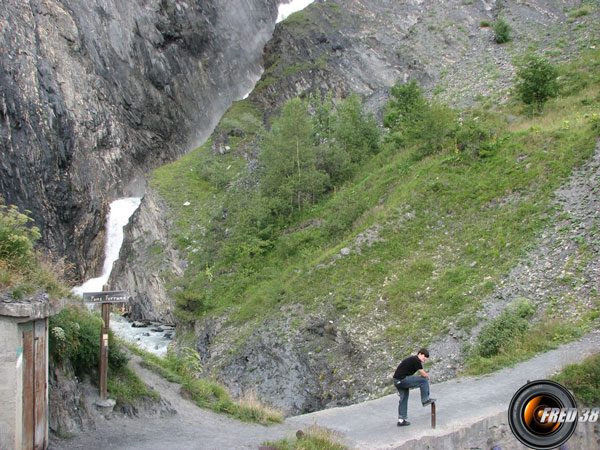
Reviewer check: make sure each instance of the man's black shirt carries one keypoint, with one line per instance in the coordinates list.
(407, 367)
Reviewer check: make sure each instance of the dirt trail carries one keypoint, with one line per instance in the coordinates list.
(190, 428)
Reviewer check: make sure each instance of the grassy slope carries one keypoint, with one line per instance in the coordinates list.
(450, 226)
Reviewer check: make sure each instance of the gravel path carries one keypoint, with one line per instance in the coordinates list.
(190, 428)
(370, 425)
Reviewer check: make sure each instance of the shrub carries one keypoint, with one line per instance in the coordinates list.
(412, 119)
(476, 139)
(16, 238)
(355, 130)
(502, 30)
(507, 328)
(436, 128)
(75, 336)
(536, 81)
(581, 12)
(190, 300)
(404, 109)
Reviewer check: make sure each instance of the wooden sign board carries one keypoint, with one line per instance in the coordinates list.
(106, 297)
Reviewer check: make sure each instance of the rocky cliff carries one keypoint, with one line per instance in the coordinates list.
(95, 94)
(148, 260)
(366, 46)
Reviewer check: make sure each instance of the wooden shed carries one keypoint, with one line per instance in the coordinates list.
(24, 372)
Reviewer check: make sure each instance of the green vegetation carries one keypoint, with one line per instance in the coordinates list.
(315, 438)
(513, 337)
(415, 121)
(536, 81)
(583, 380)
(75, 336)
(302, 156)
(453, 199)
(75, 339)
(501, 333)
(185, 369)
(74, 333)
(16, 238)
(580, 12)
(23, 270)
(127, 388)
(502, 32)
(312, 147)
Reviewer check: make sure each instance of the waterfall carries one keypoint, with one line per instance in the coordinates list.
(121, 211)
(155, 337)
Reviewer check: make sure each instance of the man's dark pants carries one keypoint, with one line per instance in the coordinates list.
(403, 387)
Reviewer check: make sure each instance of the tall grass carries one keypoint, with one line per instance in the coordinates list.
(313, 438)
(209, 394)
(583, 379)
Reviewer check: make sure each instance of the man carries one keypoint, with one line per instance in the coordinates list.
(404, 380)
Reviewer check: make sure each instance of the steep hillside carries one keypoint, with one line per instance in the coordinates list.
(427, 241)
(364, 47)
(94, 96)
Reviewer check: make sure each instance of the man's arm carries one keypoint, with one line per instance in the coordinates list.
(423, 373)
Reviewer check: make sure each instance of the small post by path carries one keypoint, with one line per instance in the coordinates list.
(433, 415)
(104, 347)
(105, 298)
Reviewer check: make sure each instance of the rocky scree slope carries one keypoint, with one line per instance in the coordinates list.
(365, 47)
(94, 95)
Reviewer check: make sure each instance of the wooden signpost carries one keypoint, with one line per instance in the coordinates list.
(105, 298)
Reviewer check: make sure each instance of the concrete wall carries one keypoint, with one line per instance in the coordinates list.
(494, 432)
(11, 376)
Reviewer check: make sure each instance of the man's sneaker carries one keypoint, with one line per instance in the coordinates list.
(429, 402)
(403, 423)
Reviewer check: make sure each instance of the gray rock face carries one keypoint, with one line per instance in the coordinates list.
(365, 47)
(94, 94)
(297, 369)
(147, 261)
(67, 409)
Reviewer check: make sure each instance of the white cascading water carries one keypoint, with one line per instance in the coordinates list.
(120, 212)
(150, 340)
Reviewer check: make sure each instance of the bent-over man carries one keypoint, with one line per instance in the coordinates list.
(404, 380)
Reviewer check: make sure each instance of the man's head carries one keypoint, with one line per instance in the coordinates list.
(423, 354)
